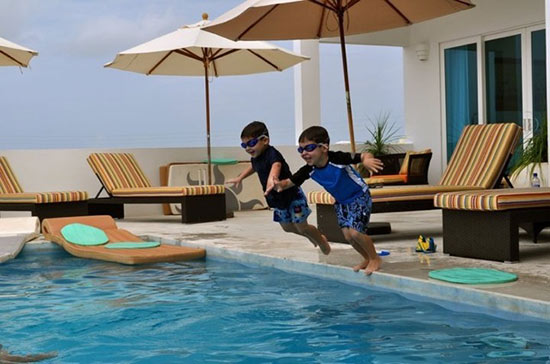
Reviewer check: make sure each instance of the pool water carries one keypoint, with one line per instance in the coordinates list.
(218, 311)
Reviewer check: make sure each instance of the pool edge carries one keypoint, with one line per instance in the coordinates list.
(441, 293)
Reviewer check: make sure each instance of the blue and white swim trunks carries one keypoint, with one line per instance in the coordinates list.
(296, 213)
(356, 214)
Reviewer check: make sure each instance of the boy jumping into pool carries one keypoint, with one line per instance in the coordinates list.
(290, 207)
(334, 172)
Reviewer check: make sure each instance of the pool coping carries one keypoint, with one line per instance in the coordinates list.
(451, 296)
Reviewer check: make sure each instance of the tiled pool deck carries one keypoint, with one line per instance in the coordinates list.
(251, 237)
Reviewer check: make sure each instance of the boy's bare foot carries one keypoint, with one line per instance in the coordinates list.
(361, 265)
(373, 266)
(324, 245)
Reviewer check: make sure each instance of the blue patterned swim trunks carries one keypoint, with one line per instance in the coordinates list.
(297, 212)
(355, 215)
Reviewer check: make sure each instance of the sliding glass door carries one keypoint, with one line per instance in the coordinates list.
(503, 80)
(497, 79)
(461, 91)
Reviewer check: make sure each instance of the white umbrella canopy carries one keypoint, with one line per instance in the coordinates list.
(313, 19)
(12, 54)
(191, 51)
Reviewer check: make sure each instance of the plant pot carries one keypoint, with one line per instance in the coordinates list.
(392, 164)
(523, 178)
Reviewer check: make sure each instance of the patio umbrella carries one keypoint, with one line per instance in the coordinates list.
(312, 19)
(12, 54)
(190, 51)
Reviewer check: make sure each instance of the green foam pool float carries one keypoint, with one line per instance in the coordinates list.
(133, 245)
(222, 161)
(472, 275)
(86, 235)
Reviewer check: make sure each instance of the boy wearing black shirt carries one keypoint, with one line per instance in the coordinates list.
(290, 207)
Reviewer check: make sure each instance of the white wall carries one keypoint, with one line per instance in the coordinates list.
(66, 169)
(423, 109)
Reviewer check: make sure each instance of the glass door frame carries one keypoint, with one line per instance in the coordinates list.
(526, 71)
(480, 95)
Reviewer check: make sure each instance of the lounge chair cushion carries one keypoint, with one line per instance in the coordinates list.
(477, 162)
(11, 191)
(405, 165)
(118, 170)
(169, 191)
(480, 155)
(494, 200)
(392, 193)
(387, 179)
(122, 177)
(43, 197)
(8, 181)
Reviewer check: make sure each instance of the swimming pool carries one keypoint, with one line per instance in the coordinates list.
(219, 311)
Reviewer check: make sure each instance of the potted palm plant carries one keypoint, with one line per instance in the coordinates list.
(383, 133)
(532, 157)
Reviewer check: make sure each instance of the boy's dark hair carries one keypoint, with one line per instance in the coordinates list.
(254, 130)
(316, 134)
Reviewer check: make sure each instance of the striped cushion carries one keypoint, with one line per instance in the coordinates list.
(320, 197)
(118, 170)
(391, 193)
(43, 197)
(405, 164)
(169, 191)
(8, 181)
(387, 179)
(480, 155)
(494, 200)
(476, 163)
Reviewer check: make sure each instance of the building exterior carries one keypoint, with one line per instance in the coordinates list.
(483, 65)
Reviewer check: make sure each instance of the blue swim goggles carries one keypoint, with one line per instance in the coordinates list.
(309, 147)
(252, 142)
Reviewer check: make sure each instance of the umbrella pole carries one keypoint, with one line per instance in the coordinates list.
(207, 90)
(346, 78)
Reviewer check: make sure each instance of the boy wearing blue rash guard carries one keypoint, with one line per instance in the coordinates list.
(290, 207)
(334, 172)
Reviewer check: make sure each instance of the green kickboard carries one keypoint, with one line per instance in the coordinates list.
(222, 161)
(133, 245)
(472, 276)
(81, 234)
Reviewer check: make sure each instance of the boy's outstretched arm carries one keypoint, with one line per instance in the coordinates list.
(278, 186)
(273, 176)
(237, 181)
(371, 163)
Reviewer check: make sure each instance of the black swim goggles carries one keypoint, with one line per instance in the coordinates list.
(252, 142)
(309, 147)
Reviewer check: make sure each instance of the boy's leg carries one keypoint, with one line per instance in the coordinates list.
(288, 227)
(314, 235)
(294, 219)
(358, 247)
(353, 219)
(367, 245)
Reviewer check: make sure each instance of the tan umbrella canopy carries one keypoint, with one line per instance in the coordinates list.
(12, 54)
(190, 51)
(312, 19)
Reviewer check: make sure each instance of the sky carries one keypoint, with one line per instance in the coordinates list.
(67, 99)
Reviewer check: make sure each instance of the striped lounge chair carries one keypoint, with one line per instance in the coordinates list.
(40, 204)
(502, 212)
(125, 182)
(478, 162)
